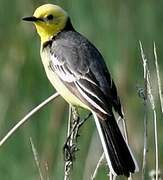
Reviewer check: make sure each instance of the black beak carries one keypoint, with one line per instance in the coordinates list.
(31, 18)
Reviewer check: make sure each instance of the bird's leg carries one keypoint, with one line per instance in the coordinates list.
(70, 146)
(79, 125)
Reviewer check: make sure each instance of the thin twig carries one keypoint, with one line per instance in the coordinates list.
(124, 128)
(68, 163)
(47, 171)
(152, 175)
(155, 122)
(144, 59)
(144, 96)
(158, 78)
(151, 100)
(156, 143)
(145, 149)
(97, 166)
(23, 120)
(36, 158)
(110, 176)
(70, 147)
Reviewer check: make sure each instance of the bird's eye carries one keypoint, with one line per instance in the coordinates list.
(50, 17)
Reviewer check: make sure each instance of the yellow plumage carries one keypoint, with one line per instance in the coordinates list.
(48, 30)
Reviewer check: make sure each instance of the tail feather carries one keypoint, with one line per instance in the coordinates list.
(118, 155)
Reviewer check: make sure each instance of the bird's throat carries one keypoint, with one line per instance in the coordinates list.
(46, 34)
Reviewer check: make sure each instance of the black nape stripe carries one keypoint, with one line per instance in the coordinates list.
(47, 43)
(68, 26)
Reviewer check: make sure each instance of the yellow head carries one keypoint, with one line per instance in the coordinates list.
(49, 20)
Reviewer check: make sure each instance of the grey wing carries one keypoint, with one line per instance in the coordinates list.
(82, 69)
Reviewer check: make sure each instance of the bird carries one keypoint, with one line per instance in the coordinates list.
(77, 70)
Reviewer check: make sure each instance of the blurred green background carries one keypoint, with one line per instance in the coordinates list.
(115, 27)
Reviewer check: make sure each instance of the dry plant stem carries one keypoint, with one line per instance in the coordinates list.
(130, 178)
(156, 143)
(145, 96)
(47, 171)
(145, 149)
(151, 98)
(67, 163)
(70, 147)
(23, 120)
(97, 166)
(110, 176)
(125, 133)
(36, 158)
(158, 78)
(125, 130)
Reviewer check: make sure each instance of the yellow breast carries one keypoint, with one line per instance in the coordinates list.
(58, 84)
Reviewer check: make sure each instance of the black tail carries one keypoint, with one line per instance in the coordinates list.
(120, 158)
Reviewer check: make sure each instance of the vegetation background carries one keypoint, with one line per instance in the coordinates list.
(115, 27)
